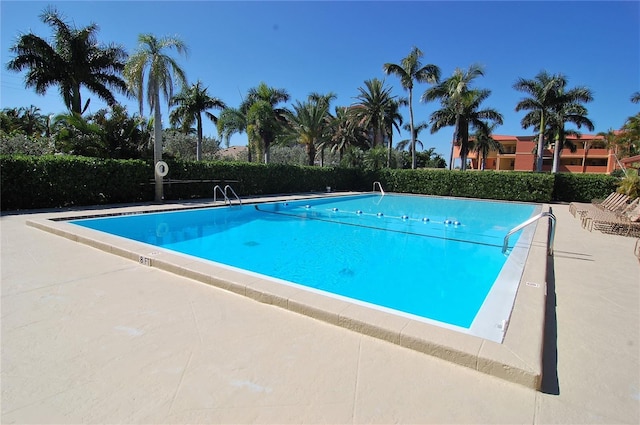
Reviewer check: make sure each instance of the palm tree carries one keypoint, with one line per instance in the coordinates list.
(542, 90)
(392, 120)
(192, 102)
(410, 70)
(635, 97)
(160, 70)
(124, 136)
(453, 92)
(74, 60)
(263, 119)
(309, 125)
(372, 109)
(325, 98)
(626, 141)
(568, 108)
(630, 134)
(10, 120)
(345, 132)
(26, 120)
(415, 140)
(231, 121)
(483, 143)
(75, 135)
(463, 112)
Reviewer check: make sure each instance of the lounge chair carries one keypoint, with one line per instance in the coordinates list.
(574, 207)
(603, 214)
(626, 223)
(616, 202)
(579, 207)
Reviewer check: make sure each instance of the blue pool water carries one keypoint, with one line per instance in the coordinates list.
(435, 258)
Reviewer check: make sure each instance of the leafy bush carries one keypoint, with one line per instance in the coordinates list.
(630, 184)
(583, 187)
(59, 181)
(511, 186)
(21, 144)
(256, 179)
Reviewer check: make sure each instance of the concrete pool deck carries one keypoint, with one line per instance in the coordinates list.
(517, 359)
(88, 336)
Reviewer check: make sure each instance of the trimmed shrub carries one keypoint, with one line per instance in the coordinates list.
(257, 179)
(60, 181)
(509, 186)
(583, 187)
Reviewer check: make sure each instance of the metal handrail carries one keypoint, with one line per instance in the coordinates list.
(224, 195)
(227, 187)
(549, 214)
(380, 186)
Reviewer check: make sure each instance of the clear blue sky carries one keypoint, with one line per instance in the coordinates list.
(335, 46)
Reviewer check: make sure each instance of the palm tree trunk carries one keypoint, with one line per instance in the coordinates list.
(267, 146)
(453, 143)
(456, 131)
(76, 102)
(587, 145)
(556, 155)
(413, 136)
(378, 137)
(199, 142)
(157, 143)
(540, 145)
(464, 152)
(311, 152)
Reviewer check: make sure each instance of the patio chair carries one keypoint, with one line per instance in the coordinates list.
(579, 207)
(626, 223)
(616, 203)
(604, 214)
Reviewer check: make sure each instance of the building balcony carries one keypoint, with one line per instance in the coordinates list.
(599, 169)
(591, 153)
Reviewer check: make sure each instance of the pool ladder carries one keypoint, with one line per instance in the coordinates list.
(225, 195)
(380, 186)
(533, 219)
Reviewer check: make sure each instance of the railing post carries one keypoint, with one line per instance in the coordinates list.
(380, 186)
(550, 235)
(552, 231)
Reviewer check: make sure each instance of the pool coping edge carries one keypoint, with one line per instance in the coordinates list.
(518, 359)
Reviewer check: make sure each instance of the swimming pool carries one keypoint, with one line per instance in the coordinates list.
(434, 259)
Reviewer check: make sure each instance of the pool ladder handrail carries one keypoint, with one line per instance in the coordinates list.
(224, 194)
(380, 186)
(533, 219)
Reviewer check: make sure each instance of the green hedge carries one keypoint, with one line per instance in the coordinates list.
(59, 181)
(583, 187)
(510, 186)
(257, 179)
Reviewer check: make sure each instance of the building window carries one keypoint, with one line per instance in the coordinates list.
(597, 162)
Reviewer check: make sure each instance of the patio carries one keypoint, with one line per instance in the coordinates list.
(90, 337)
